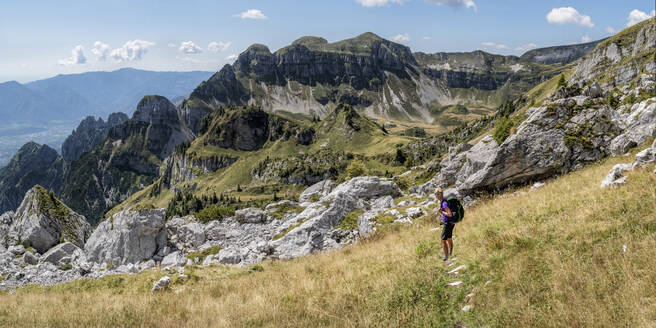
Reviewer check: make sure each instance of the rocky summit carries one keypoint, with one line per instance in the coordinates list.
(377, 76)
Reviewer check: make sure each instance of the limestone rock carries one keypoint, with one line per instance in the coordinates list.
(174, 259)
(414, 212)
(616, 175)
(184, 234)
(250, 215)
(43, 221)
(127, 237)
(645, 157)
(6, 219)
(311, 234)
(30, 258)
(16, 250)
(320, 189)
(639, 127)
(161, 284)
(368, 188)
(59, 253)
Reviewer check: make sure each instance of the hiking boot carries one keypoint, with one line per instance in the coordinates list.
(446, 257)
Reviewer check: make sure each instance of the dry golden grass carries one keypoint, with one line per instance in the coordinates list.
(554, 258)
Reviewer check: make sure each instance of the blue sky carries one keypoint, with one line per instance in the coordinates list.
(41, 38)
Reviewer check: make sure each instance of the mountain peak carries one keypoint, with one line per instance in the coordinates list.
(310, 41)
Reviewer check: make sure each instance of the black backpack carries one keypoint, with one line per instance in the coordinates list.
(457, 211)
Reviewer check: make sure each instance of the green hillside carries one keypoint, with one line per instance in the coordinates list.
(284, 149)
(551, 257)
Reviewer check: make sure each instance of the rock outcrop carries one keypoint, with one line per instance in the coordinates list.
(33, 164)
(318, 190)
(89, 134)
(126, 161)
(574, 127)
(368, 72)
(127, 237)
(42, 221)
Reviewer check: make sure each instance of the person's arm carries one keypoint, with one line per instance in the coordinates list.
(447, 212)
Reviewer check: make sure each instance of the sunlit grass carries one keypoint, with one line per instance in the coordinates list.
(554, 257)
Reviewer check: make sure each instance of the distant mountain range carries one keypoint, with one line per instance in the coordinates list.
(46, 111)
(74, 96)
(381, 78)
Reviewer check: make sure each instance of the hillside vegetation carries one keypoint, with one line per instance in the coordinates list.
(553, 257)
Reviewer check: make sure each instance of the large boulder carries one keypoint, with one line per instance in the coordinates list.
(250, 215)
(127, 237)
(320, 189)
(639, 127)
(184, 234)
(43, 221)
(61, 254)
(367, 188)
(309, 232)
(553, 140)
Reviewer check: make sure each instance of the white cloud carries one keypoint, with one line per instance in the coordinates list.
(251, 14)
(232, 58)
(218, 46)
(189, 47)
(455, 3)
(171, 45)
(636, 16)
(101, 50)
(586, 38)
(132, 50)
(568, 15)
(610, 30)
(526, 47)
(401, 38)
(77, 57)
(377, 3)
(427, 38)
(495, 45)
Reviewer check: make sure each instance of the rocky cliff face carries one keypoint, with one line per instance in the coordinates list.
(126, 161)
(608, 107)
(621, 58)
(372, 74)
(560, 54)
(248, 129)
(89, 133)
(33, 164)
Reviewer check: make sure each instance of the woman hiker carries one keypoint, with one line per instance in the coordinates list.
(447, 229)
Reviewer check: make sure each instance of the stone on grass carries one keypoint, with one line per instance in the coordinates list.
(161, 284)
(616, 175)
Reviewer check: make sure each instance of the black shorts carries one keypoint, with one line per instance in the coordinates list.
(447, 231)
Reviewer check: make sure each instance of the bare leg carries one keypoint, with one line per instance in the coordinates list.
(445, 247)
(450, 243)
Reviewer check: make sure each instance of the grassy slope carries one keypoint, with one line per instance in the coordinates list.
(333, 134)
(553, 256)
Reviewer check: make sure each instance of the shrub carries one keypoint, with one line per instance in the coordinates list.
(502, 129)
(356, 169)
(214, 213)
(198, 257)
(350, 222)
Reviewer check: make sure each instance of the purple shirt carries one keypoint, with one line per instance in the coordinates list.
(445, 205)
